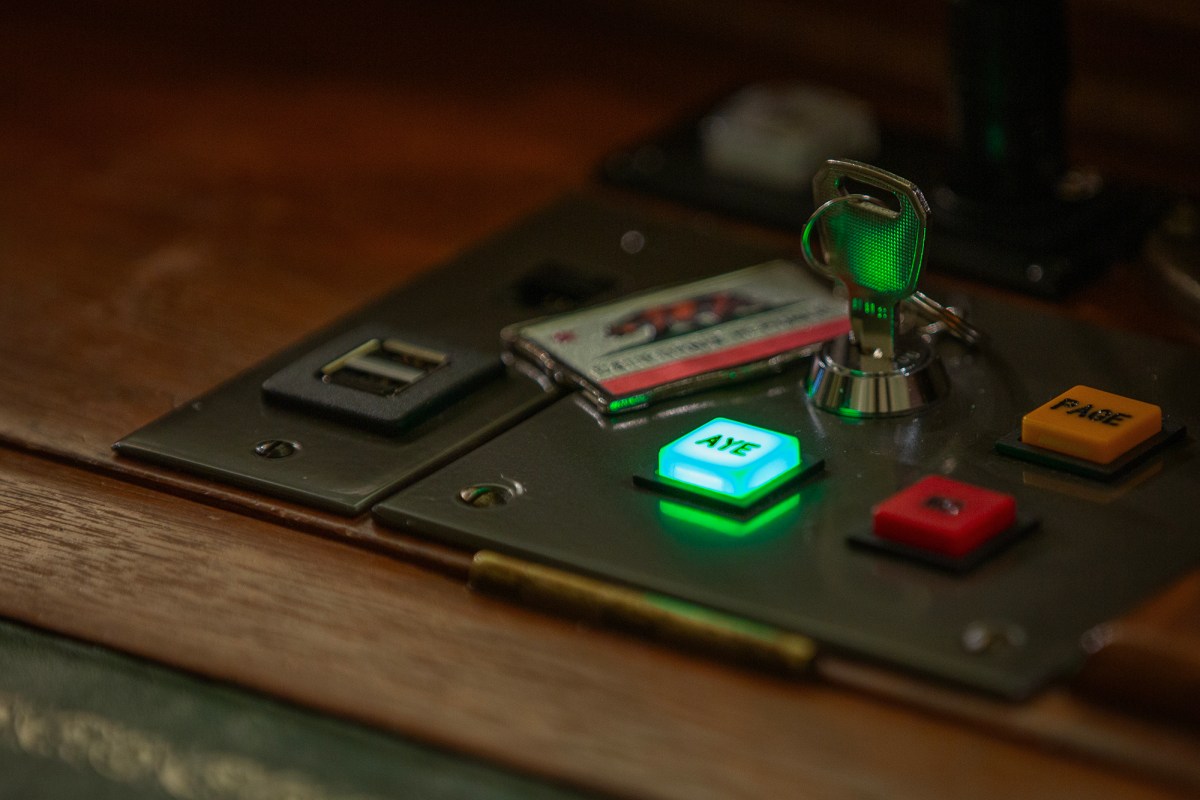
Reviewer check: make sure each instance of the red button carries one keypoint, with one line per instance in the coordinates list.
(944, 516)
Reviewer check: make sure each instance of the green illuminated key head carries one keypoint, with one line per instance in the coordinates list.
(870, 245)
(729, 458)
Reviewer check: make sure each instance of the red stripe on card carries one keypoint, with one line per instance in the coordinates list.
(742, 354)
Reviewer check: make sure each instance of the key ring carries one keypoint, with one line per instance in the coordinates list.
(933, 311)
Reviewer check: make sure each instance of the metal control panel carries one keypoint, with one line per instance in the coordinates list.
(564, 472)
(1098, 550)
(341, 447)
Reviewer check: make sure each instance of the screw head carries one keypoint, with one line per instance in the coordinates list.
(983, 636)
(276, 448)
(485, 495)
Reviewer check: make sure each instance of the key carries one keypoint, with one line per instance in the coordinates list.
(872, 225)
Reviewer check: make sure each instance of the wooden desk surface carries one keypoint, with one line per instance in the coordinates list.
(185, 191)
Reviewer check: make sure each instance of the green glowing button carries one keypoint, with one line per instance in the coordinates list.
(730, 459)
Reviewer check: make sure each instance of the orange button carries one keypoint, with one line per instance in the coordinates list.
(1090, 424)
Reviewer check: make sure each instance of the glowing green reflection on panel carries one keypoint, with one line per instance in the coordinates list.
(628, 402)
(724, 524)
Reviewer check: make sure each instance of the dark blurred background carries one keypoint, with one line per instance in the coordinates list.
(371, 139)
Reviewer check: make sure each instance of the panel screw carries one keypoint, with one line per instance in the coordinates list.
(485, 495)
(276, 448)
(980, 636)
(632, 242)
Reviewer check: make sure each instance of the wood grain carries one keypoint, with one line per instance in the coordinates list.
(1148, 662)
(377, 640)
